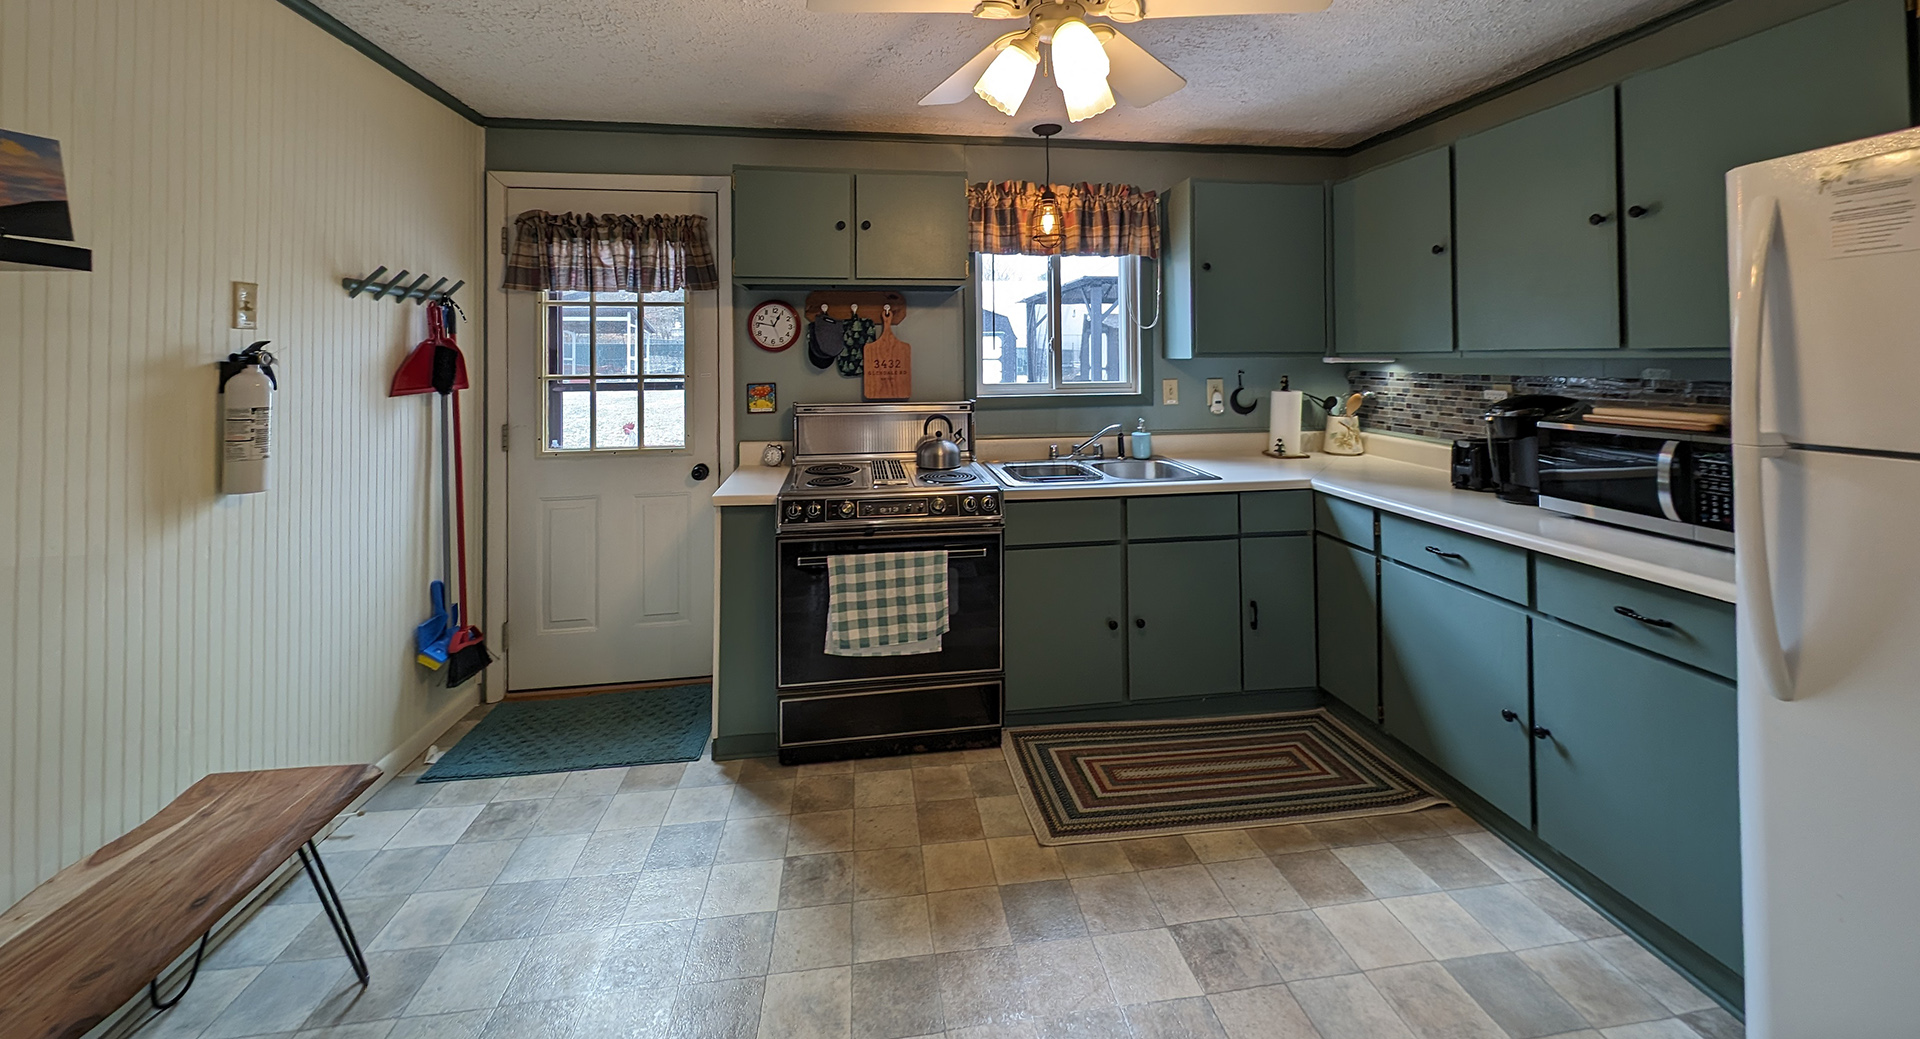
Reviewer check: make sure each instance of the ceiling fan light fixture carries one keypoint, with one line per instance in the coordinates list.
(996, 9)
(1080, 67)
(1005, 83)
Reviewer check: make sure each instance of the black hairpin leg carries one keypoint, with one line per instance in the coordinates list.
(336, 913)
(153, 987)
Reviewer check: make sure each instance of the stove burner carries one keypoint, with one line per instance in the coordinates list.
(833, 469)
(829, 481)
(948, 477)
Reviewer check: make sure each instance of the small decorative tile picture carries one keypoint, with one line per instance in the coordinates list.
(761, 399)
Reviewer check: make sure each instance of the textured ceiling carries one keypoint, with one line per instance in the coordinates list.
(1324, 79)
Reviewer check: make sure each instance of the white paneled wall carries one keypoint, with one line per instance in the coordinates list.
(152, 631)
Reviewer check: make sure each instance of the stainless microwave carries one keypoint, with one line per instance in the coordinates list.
(1660, 481)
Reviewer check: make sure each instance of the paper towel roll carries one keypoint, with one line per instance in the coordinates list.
(1283, 425)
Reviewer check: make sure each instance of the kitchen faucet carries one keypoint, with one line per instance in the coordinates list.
(1091, 442)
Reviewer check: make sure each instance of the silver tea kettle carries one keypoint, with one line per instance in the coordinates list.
(937, 450)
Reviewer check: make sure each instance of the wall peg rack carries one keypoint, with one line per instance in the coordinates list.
(395, 289)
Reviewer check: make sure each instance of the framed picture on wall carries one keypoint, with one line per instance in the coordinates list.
(33, 204)
(761, 399)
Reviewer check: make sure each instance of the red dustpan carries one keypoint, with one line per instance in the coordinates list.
(416, 372)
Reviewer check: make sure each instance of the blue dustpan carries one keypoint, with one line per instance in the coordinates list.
(431, 636)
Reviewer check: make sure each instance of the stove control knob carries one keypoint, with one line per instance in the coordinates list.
(989, 504)
(939, 506)
(969, 504)
(813, 510)
(791, 512)
(844, 510)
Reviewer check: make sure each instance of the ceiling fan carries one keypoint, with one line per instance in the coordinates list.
(1092, 62)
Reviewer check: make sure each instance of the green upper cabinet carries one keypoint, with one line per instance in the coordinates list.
(1833, 76)
(1184, 597)
(1276, 626)
(839, 227)
(1638, 779)
(912, 227)
(1245, 269)
(1393, 259)
(1538, 257)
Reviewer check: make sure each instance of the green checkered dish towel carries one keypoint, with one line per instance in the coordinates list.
(886, 604)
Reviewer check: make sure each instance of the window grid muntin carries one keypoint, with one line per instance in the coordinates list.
(1130, 347)
(553, 306)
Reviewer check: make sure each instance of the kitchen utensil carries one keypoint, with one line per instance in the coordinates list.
(1352, 404)
(888, 374)
(936, 450)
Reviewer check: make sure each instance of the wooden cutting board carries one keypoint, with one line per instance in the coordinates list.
(1690, 419)
(888, 372)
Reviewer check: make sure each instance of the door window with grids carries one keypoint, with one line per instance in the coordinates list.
(1092, 302)
(615, 377)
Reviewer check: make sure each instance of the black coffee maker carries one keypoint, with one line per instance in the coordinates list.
(1513, 447)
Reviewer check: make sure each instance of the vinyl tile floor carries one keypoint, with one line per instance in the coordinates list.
(907, 897)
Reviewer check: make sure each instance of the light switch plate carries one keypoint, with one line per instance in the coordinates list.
(1169, 391)
(246, 304)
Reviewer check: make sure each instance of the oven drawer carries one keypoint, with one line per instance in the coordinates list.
(811, 719)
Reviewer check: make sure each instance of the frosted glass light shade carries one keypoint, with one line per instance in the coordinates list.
(1005, 83)
(1080, 67)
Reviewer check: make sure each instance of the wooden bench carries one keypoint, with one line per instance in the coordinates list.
(81, 945)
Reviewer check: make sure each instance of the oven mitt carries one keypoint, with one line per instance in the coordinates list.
(828, 339)
(860, 332)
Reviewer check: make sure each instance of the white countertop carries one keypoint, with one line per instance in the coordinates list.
(1400, 476)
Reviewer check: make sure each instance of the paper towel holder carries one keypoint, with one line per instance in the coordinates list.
(1239, 387)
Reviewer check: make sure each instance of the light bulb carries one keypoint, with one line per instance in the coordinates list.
(1004, 85)
(1046, 226)
(1080, 67)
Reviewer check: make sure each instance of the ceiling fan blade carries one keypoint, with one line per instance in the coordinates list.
(959, 86)
(1210, 8)
(893, 6)
(1138, 77)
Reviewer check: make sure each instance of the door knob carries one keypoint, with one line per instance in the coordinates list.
(700, 471)
(1541, 732)
(1507, 714)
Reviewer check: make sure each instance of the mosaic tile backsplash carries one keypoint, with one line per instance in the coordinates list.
(1448, 406)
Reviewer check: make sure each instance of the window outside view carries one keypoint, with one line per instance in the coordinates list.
(1021, 299)
(616, 370)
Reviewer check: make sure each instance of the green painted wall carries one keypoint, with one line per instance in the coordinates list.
(936, 323)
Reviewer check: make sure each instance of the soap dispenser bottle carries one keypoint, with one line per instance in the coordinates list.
(1140, 441)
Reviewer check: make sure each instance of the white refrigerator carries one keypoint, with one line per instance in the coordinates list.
(1824, 253)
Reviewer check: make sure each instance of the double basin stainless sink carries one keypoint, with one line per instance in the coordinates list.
(1111, 470)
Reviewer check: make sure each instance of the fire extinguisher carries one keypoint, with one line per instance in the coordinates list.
(246, 415)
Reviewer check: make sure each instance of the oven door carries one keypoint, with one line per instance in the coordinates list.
(970, 647)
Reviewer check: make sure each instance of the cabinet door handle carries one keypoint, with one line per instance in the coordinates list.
(1596, 219)
(1444, 554)
(1438, 249)
(1139, 622)
(1652, 622)
(1254, 605)
(1506, 714)
(1541, 732)
(1206, 266)
(866, 225)
(839, 225)
(1112, 625)
(1637, 212)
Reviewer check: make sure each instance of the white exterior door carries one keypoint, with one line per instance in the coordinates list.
(612, 458)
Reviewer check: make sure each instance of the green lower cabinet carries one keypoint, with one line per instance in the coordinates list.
(1185, 612)
(1638, 781)
(1347, 628)
(1064, 643)
(1451, 662)
(1276, 634)
(747, 625)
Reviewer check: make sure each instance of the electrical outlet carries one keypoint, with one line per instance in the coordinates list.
(1217, 396)
(1656, 374)
(1169, 391)
(1498, 391)
(246, 305)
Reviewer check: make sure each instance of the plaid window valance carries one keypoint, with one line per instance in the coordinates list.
(1101, 219)
(581, 252)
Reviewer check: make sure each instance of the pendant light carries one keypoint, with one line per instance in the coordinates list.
(1048, 224)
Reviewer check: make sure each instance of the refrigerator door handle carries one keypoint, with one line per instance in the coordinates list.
(1754, 569)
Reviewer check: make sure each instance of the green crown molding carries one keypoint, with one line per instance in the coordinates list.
(309, 10)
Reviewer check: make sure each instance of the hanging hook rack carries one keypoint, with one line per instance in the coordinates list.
(394, 290)
(1239, 387)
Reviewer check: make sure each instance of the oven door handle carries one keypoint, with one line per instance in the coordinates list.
(820, 562)
(1663, 480)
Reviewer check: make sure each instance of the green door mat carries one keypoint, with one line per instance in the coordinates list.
(607, 730)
